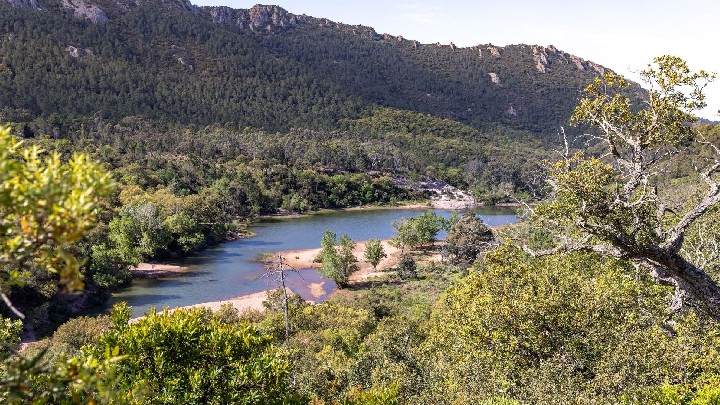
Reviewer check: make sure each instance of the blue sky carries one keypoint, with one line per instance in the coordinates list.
(622, 35)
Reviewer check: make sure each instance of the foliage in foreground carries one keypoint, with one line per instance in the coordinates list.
(188, 357)
(46, 206)
(617, 204)
(572, 328)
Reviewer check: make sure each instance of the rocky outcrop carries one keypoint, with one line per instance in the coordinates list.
(544, 57)
(541, 58)
(495, 78)
(258, 18)
(78, 52)
(74, 51)
(33, 4)
(80, 9)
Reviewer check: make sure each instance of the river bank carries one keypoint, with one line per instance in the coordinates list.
(242, 303)
(450, 199)
(301, 259)
(231, 270)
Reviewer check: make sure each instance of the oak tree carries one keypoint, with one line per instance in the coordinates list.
(616, 203)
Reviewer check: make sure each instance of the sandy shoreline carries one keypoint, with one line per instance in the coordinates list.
(155, 270)
(242, 303)
(305, 259)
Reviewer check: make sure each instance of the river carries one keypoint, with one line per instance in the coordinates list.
(229, 270)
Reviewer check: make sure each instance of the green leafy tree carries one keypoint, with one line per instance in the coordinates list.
(346, 253)
(616, 204)
(189, 357)
(416, 232)
(46, 206)
(407, 268)
(185, 231)
(77, 380)
(110, 267)
(338, 259)
(327, 246)
(467, 237)
(569, 328)
(9, 336)
(374, 252)
(138, 232)
(324, 343)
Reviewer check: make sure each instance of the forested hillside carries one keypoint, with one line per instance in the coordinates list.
(263, 68)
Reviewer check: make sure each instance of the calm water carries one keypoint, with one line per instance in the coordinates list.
(228, 270)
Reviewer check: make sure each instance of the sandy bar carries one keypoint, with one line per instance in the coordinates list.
(155, 270)
(242, 303)
(305, 259)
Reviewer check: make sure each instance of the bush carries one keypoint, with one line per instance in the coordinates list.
(407, 268)
(187, 357)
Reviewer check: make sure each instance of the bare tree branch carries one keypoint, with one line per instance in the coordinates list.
(11, 306)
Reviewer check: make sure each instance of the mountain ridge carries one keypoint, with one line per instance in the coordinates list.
(341, 69)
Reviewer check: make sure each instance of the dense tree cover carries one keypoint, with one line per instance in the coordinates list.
(187, 356)
(167, 61)
(161, 62)
(9, 336)
(560, 329)
(191, 358)
(496, 163)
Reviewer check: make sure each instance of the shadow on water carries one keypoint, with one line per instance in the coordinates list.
(230, 269)
(144, 300)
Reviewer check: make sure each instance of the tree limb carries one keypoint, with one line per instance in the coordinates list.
(11, 306)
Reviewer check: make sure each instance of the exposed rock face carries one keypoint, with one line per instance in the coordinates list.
(81, 9)
(258, 18)
(77, 52)
(545, 56)
(494, 51)
(495, 78)
(33, 4)
(73, 51)
(541, 58)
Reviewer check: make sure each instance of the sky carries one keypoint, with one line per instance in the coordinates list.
(622, 35)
